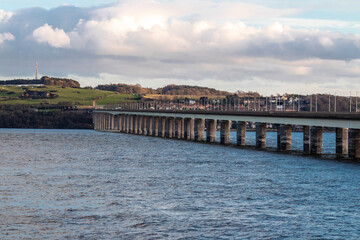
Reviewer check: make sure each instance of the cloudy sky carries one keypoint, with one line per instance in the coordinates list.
(269, 46)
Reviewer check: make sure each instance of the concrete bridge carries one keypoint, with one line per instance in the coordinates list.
(192, 124)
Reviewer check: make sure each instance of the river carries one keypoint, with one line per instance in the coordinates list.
(80, 184)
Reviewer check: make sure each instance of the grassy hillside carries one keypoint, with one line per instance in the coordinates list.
(77, 96)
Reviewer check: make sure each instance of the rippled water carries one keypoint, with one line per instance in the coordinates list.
(62, 184)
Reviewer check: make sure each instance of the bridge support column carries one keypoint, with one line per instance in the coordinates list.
(189, 129)
(150, 125)
(135, 124)
(179, 133)
(123, 123)
(131, 121)
(170, 127)
(316, 134)
(241, 134)
(140, 124)
(354, 144)
(225, 132)
(199, 129)
(112, 117)
(342, 142)
(306, 139)
(109, 122)
(285, 137)
(211, 130)
(162, 127)
(182, 128)
(156, 126)
(105, 121)
(119, 119)
(261, 135)
(126, 123)
(144, 125)
(95, 121)
(116, 119)
(118, 123)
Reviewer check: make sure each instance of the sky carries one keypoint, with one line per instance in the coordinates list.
(268, 46)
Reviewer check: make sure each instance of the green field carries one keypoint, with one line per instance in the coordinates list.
(77, 96)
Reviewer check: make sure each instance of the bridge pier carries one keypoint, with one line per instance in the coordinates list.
(342, 141)
(261, 135)
(123, 123)
(117, 123)
(131, 121)
(285, 137)
(144, 125)
(199, 129)
(105, 121)
(189, 129)
(150, 124)
(179, 133)
(162, 127)
(112, 122)
(173, 125)
(156, 126)
(211, 130)
(306, 139)
(241, 134)
(135, 126)
(354, 144)
(225, 132)
(316, 134)
(170, 127)
(140, 125)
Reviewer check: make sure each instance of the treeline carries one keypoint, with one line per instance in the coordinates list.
(167, 90)
(44, 117)
(50, 81)
(21, 82)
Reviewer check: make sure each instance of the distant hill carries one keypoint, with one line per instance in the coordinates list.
(50, 81)
(61, 82)
(167, 90)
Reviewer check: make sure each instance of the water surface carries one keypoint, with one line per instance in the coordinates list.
(66, 184)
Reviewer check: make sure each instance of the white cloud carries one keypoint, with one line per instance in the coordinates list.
(54, 37)
(6, 37)
(5, 16)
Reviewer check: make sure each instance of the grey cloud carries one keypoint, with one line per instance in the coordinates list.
(174, 51)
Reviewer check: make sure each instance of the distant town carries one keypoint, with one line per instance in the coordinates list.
(46, 102)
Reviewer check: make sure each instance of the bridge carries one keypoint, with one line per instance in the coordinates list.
(194, 125)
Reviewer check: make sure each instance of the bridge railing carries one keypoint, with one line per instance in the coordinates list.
(311, 103)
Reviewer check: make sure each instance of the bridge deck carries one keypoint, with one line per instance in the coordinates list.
(322, 119)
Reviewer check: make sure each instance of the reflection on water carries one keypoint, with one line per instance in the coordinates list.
(65, 184)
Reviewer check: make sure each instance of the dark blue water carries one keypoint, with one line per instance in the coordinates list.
(62, 184)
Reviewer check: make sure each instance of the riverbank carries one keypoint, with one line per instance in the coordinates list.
(20, 116)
